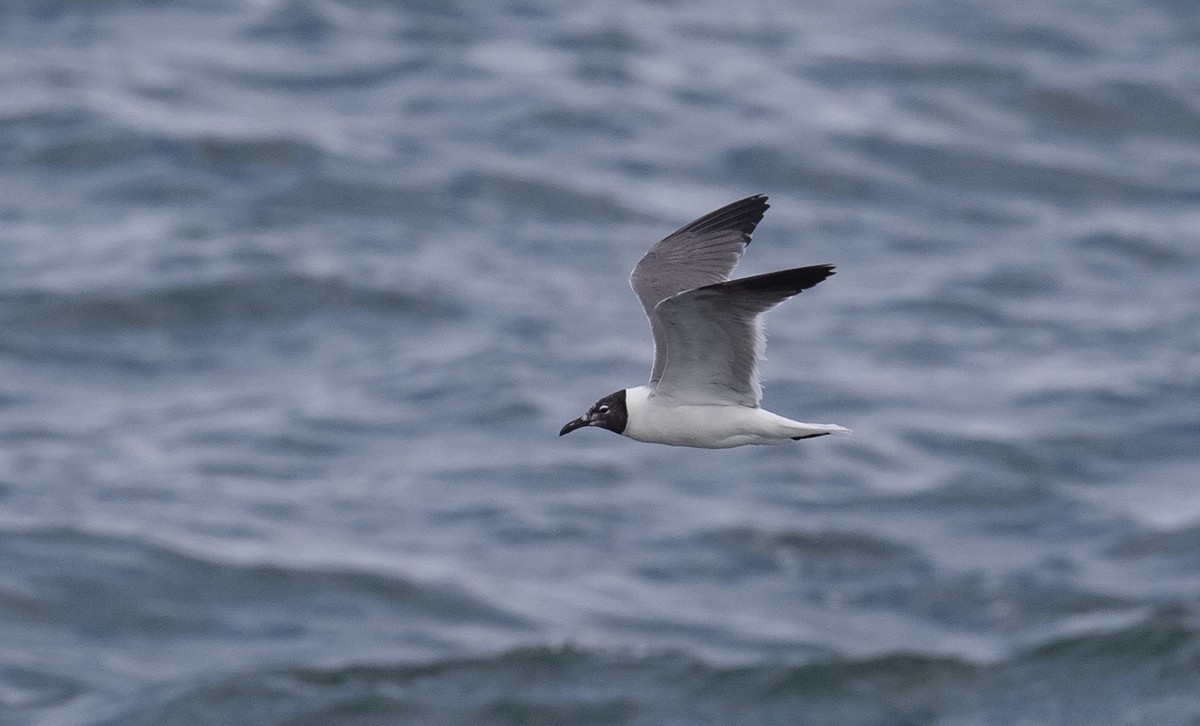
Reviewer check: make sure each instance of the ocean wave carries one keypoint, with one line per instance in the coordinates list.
(104, 583)
(991, 171)
(1112, 676)
(246, 298)
(1113, 107)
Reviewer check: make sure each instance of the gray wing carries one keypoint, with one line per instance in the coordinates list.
(714, 339)
(700, 253)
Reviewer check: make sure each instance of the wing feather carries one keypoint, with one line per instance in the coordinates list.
(713, 336)
(702, 252)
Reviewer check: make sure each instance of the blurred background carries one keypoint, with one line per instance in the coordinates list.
(295, 296)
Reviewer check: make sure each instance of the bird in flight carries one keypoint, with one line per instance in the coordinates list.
(708, 338)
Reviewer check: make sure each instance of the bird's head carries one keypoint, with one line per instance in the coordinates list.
(607, 413)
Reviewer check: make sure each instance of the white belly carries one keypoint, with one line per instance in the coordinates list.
(654, 420)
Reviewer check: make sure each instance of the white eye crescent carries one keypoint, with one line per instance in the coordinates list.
(602, 409)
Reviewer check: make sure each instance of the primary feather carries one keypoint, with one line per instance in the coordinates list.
(700, 253)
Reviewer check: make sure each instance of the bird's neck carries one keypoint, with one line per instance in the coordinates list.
(637, 403)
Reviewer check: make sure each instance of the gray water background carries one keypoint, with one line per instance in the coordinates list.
(295, 296)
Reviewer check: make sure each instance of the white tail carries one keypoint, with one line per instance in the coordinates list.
(799, 430)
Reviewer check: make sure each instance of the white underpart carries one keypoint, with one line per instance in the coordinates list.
(654, 419)
(704, 389)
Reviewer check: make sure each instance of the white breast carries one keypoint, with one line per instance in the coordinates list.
(654, 419)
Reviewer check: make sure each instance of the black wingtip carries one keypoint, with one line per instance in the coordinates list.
(793, 280)
(742, 215)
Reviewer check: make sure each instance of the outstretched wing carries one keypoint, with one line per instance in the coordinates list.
(700, 253)
(713, 338)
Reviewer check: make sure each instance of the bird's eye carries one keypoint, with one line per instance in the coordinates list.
(602, 409)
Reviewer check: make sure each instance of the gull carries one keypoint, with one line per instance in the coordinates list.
(704, 389)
